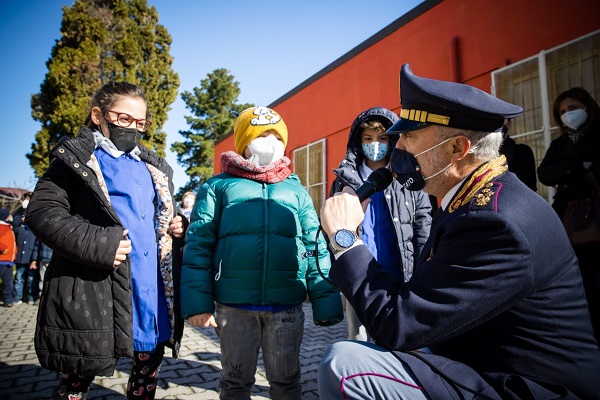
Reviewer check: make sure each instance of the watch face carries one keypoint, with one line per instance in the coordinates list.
(344, 238)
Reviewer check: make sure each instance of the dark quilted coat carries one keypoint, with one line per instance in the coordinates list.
(84, 322)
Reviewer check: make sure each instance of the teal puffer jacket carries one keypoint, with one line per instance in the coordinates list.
(254, 243)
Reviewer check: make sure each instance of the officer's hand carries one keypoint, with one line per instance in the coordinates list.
(203, 320)
(342, 211)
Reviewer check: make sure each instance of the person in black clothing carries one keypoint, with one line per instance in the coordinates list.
(519, 158)
(25, 275)
(105, 206)
(564, 167)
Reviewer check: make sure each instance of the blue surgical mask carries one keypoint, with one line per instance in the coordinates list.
(375, 151)
(407, 170)
(574, 118)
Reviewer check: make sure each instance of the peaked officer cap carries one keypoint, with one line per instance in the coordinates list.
(429, 101)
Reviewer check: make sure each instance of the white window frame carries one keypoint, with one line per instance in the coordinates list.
(323, 180)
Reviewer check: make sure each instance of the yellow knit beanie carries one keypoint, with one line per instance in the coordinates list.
(252, 122)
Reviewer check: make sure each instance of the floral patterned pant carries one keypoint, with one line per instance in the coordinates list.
(141, 385)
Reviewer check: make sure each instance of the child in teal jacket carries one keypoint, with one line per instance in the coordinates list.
(251, 256)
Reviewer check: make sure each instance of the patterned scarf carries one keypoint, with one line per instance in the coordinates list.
(237, 165)
(576, 134)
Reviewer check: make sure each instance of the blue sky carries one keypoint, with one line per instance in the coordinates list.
(295, 39)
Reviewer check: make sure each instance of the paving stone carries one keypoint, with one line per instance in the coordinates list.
(193, 376)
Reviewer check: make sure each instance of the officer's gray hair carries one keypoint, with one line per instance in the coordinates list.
(484, 145)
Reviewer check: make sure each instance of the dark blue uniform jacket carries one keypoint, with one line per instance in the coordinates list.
(497, 289)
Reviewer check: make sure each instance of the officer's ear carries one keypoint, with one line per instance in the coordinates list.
(461, 146)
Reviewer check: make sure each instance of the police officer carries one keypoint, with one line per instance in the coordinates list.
(495, 308)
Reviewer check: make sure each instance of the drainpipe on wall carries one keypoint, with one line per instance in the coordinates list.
(454, 60)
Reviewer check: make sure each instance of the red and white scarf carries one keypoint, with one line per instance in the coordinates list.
(237, 165)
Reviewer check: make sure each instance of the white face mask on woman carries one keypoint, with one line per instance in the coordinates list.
(574, 118)
(266, 149)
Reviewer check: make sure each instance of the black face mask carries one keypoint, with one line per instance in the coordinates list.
(124, 139)
(407, 171)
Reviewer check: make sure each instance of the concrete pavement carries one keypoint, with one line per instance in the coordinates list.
(195, 375)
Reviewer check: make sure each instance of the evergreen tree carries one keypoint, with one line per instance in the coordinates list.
(214, 112)
(103, 40)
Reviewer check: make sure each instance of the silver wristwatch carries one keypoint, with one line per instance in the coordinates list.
(342, 240)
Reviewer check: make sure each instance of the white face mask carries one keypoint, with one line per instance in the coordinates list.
(265, 150)
(25, 203)
(574, 118)
(431, 148)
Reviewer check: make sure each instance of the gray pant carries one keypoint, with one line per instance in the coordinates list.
(356, 331)
(242, 333)
(360, 370)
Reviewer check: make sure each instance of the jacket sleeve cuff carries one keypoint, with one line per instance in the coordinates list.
(339, 253)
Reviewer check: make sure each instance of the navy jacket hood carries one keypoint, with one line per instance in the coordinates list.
(354, 154)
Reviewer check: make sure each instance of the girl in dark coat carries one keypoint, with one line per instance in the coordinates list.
(105, 207)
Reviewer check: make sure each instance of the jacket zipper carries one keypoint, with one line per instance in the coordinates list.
(266, 245)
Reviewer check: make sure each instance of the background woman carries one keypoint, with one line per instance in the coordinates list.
(564, 167)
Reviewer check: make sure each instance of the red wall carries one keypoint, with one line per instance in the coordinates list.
(490, 34)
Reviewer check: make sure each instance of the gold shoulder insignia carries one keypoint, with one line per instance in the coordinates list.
(479, 185)
(483, 197)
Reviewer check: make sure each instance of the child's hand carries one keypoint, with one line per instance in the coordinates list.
(123, 250)
(203, 320)
(176, 226)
